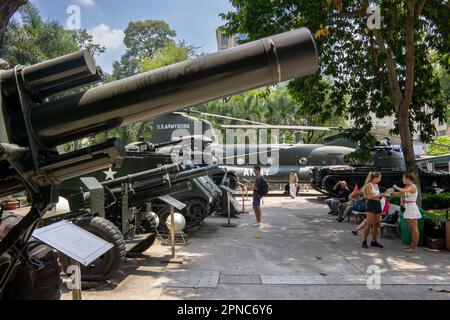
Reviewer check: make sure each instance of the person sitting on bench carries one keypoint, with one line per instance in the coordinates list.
(341, 195)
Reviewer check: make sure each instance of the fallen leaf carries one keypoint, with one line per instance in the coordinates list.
(323, 274)
(258, 238)
(318, 258)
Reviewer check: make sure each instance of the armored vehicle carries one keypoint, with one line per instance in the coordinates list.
(35, 118)
(385, 159)
(276, 160)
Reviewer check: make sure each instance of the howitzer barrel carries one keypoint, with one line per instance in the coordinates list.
(195, 173)
(252, 65)
(55, 75)
(154, 182)
(144, 174)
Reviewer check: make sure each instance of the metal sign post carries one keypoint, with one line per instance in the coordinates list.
(76, 281)
(172, 230)
(173, 203)
(229, 224)
(243, 202)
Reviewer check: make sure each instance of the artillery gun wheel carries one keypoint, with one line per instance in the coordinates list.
(109, 264)
(149, 223)
(26, 283)
(30, 284)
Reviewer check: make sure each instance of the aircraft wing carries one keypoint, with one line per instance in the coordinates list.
(430, 158)
(295, 128)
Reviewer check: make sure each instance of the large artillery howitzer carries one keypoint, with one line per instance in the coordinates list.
(145, 183)
(34, 119)
(120, 210)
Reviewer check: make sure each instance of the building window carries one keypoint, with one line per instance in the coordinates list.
(225, 40)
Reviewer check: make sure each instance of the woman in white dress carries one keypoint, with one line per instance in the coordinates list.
(412, 213)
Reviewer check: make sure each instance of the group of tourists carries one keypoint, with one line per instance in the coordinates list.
(369, 200)
(375, 204)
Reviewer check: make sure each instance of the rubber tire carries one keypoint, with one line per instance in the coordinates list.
(111, 262)
(163, 213)
(26, 284)
(43, 284)
(148, 224)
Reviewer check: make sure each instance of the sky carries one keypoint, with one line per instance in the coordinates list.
(195, 21)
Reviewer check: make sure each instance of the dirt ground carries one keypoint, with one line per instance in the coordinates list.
(299, 253)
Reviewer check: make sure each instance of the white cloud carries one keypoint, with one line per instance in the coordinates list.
(107, 37)
(87, 3)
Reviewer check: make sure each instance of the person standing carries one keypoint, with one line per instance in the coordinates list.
(260, 189)
(373, 208)
(293, 183)
(412, 212)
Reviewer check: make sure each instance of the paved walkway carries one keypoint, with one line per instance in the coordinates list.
(300, 253)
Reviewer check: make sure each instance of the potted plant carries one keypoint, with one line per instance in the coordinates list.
(435, 229)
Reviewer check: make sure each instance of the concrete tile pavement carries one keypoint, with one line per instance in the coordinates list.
(299, 244)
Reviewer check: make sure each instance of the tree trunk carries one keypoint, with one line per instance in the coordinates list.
(7, 9)
(403, 112)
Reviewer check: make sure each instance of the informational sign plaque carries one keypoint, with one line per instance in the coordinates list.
(173, 202)
(75, 242)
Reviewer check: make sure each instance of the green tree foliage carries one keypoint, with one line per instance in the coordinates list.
(166, 56)
(385, 72)
(142, 39)
(8, 8)
(169, 54)
(34, 40)
(440, 147)
(270, 106)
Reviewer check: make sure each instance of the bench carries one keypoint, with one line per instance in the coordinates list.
(359, 216)
(395, 227)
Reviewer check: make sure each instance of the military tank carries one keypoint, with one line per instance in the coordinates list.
(385, 159)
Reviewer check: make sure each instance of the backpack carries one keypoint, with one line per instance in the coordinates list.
(391, 218)
(263, 188)
(359, 206)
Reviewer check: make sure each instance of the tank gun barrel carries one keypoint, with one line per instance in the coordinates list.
(167, 143)
(255, 64)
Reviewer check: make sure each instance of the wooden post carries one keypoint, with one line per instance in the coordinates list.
(76, 282)
(172, 230)
(243, 200)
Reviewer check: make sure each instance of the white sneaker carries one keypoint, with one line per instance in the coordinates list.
(257, 225)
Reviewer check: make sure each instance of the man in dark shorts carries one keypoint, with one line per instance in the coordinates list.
(256, 196)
